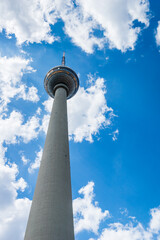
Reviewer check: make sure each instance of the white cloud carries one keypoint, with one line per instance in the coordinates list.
(158, 34)
(27, 131)
(11, 72)
(8, 190)
(118, 231)
(80, 26)
(87, 112)
(13, 210)
(20, 184)
(124, 211)
(29, 94)
(45, 120)
(87, 214)
(31, 21)
(115, 135)
(36, 163)
(18, 130)
(155, 220)
(24, 160)
(39, 110)
(2, 153)
(48, 104)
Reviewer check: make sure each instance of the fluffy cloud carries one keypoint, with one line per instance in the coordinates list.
(31, 21)
(13, 210)
(114, 18)
(18, 130)
(86, 117)
(36, 163)
(87, 214)
(28, 20)
(155, 220)
(29, 94)
(27, 131)
(80, 26)
(45, 120)
(11, 72)
(118, 231)
(158, 34)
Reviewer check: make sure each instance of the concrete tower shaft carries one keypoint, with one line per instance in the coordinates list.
(51, 216)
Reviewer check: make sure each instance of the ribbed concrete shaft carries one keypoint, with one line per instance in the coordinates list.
(51, 216)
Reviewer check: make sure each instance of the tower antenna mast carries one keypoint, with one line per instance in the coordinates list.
(63, 59)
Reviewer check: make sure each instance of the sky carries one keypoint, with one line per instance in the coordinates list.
(114, 47)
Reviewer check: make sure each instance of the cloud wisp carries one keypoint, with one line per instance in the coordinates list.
(157, 36)
(35, 165)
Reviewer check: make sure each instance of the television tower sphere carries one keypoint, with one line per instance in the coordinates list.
(61, 76)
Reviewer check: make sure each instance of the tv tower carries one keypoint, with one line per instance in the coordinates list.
(51, 215)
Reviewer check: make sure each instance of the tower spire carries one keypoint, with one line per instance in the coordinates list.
(63, 59)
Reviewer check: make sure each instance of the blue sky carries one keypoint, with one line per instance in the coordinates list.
(114, 47)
